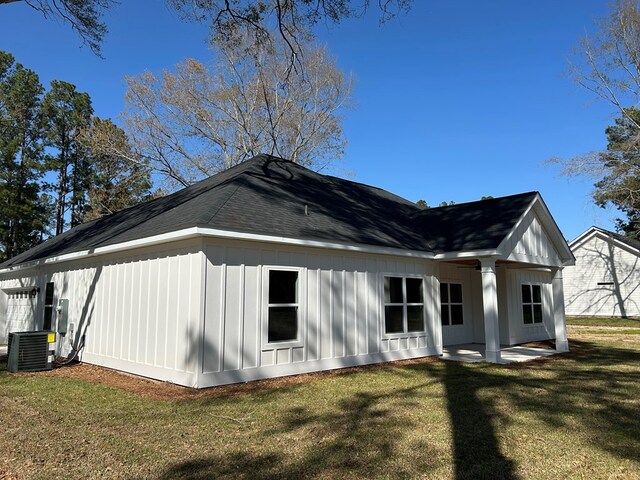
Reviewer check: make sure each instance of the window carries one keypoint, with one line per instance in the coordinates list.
(531, 304)
(48, 306)
(403, 305)
(451, 304)
(283, 306)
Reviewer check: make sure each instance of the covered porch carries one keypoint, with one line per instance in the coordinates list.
(496, 304)
(496, 297)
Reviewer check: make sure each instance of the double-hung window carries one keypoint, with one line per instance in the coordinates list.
(284, 306)
(403, 305)
(531, 304)
(451, 304)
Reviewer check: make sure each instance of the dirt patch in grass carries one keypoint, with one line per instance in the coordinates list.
(158, 390)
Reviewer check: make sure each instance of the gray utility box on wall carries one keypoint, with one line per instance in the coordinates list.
(31, 351)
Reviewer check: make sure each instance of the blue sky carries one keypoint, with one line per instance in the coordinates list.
(453, 101)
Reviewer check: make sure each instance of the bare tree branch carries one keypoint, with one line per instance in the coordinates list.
(84, 16)
(198, 120)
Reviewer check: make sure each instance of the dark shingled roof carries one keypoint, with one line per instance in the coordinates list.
(268, 195)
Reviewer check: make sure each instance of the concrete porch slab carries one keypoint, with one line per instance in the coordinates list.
(474, 352)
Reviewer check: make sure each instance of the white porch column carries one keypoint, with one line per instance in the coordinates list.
(437, 317)
(559, 319)
(490, 307)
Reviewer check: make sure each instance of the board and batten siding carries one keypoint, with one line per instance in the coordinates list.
(519, 332)
(605, 280)
(139, 311)
(340, 311)
(530, 243)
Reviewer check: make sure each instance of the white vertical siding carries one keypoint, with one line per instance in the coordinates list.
(3, 318)
(530, 242)
(502, 282)
(519, 332)
(138, 313)
(145, 312)
(599, 260)
(340, 311)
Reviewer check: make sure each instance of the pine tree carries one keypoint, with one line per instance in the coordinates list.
(620, 170)
(23, 215)
(118, 179)
(66, 113)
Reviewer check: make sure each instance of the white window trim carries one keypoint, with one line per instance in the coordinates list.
(522, 304)
(302, 289)
(404, 333)
(463, 303)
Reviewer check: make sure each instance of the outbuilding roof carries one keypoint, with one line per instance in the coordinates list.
(272, 196)
(630, 242)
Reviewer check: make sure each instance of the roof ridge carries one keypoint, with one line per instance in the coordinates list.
(502, 197)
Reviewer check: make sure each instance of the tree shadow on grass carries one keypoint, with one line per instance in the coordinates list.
(476, 449)
(360, 438)
(599, 387)
(594, 389)
(592, 386)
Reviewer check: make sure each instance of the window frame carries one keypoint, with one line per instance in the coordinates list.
(301, 317)
(48, 311)
(405, 319)
(449, 303)
(532, 304)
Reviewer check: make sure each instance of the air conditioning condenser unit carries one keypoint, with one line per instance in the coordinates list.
(31, 351)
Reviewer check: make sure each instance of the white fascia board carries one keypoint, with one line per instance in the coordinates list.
(215, 233)
(583, 237)
(515, 227)
(143, 242)
(555, 230)
(604, 235)
(468, 254)
(212, 232)
(551, 227)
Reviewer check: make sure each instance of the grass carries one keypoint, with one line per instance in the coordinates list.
(604, 321)
(618, 331)
(573, 416)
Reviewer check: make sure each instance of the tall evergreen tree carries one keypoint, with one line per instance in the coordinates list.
(23, 215)
(66, 113)
(118, 178)
(620, 170)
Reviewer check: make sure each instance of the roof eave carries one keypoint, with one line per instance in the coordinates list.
(206, 232)
(596, 231)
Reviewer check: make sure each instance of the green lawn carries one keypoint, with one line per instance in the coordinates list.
(604, 321)
(573, 416)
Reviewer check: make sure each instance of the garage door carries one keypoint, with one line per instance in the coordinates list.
(20, 312)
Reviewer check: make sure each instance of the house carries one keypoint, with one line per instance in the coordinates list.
(270, 269)
(605, 280)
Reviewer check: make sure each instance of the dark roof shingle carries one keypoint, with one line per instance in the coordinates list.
(268, 195)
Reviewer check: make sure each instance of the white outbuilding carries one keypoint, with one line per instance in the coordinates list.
(605, 280)
(270, 269)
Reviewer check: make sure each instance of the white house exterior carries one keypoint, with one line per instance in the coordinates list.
(605, 280)
(204, 305)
